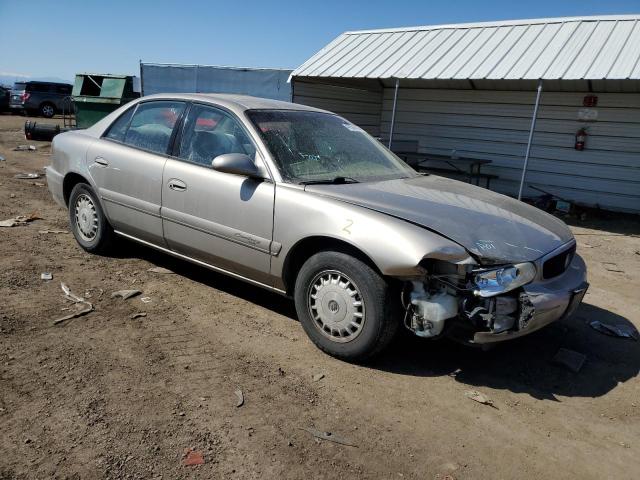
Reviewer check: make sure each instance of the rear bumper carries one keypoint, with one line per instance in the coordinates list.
(55, 182)
(545, 302)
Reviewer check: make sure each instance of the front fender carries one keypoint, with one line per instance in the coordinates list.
(394, 245)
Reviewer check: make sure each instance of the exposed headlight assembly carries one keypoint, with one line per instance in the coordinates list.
(504, 279)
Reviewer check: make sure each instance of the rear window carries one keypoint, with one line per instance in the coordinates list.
(152, 124)
(19, 86)
(38, 87)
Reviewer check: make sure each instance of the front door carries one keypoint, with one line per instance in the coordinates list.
(222, 219)
(127, 164)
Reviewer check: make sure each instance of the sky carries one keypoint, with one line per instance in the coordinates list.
(61, 38)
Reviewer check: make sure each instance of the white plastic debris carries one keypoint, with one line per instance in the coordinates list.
(160, 270)
(125, 294)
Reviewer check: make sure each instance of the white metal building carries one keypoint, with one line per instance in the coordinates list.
(472, 88)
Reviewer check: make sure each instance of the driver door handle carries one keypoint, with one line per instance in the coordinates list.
(177, 185)
(101, 161)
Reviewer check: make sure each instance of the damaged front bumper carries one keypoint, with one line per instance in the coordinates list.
(439, 307)
(544, 302)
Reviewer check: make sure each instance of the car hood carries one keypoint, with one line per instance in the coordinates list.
(493, 227)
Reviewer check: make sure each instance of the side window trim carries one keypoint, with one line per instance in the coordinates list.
(176, 139)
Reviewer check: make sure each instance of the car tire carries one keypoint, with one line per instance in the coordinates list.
(88, 223)
(47, 110)
(345, 307)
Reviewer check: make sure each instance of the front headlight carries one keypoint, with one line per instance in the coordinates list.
(501, 280)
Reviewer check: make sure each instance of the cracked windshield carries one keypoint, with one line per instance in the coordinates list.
(315, 147)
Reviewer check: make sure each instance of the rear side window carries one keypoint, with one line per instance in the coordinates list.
(38, 87)
(152, 125)
(118, 129)
(64, 89)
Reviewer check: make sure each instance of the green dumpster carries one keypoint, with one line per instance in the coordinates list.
(97, 95)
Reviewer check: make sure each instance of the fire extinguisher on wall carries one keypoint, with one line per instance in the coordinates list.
(581, 138)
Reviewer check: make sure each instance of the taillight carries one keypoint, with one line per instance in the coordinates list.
(25, 96)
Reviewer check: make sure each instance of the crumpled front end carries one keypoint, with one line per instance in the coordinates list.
(480, 305)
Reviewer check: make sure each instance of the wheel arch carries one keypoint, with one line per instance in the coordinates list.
(309, 246)
(71, 179)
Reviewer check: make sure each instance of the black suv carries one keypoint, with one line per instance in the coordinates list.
(40, 98)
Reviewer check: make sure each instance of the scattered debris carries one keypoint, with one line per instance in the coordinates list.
(624, 331)
(20, 220)
(192, 457)
(47, 232)
(38, 184)
(160, 270)
(46, 276)
(318, 376)
(146, 299)
(569, 358)
(125, 294)
(2, 159)
(25, 148)
(26, 176)
(328, 436)
(476, 396)
(586, 245)
(612, 267)
(138, 315)
(85, 306)
(239, 398)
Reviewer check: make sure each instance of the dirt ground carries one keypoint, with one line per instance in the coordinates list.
(108, 396)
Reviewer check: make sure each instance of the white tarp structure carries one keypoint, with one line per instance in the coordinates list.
(176, 78)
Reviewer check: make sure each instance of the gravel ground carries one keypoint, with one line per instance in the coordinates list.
(111, 396)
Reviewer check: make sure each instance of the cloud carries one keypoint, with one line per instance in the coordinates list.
(14, 74)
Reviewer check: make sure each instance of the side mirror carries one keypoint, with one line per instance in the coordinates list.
(236, 163)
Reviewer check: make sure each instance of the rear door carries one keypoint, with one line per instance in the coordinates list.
(127, 163)
(222, 219)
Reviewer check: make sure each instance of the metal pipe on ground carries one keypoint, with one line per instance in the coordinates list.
(43, 132)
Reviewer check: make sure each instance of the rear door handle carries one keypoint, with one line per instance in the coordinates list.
(177, 185)
(101, 161)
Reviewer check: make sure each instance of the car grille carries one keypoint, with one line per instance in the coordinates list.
(557, 265)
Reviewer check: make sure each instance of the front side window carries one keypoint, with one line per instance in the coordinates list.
(152, 124)
(315, 146)
(209, 132)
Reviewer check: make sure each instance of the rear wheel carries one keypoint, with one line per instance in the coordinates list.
(47, 110)
(88, 223)
(345, 306)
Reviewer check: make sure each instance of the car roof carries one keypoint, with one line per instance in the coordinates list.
(235, 102)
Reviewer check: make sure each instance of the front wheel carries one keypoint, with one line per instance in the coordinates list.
(88, 223)
(345, 306)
